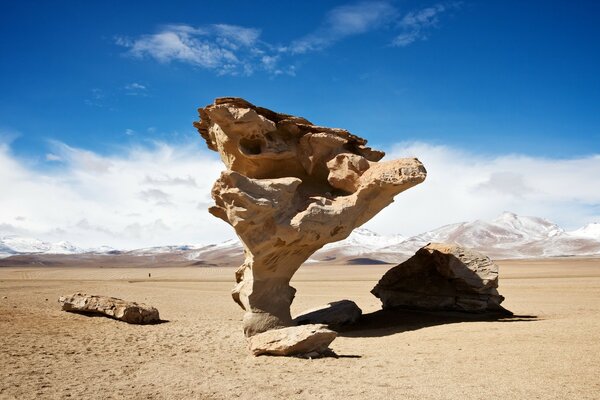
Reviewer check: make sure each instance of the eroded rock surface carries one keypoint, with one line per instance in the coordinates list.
(334, 315)
(127, 311)
(290, 188)
(294, 340)
(442, 277)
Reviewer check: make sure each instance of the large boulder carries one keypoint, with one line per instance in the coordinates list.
(442, 277)
(127, 311)
(334, 315)
(291, 187)
(312, 340)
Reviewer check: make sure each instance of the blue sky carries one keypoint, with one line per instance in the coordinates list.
(85, 84)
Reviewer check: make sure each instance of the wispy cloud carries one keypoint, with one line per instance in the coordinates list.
(135, 89)
(96, 98)
(237, 50)
(135, 86)
(157, 196)
(166, 180)
(53, 157)
(344, 21)
(416, 25)
(227, 49)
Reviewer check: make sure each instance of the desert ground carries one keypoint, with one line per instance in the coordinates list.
(550, 349)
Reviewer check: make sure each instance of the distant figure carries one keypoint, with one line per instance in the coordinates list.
(149, 275)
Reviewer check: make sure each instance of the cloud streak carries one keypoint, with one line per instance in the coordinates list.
(345, 21)
(417, 24)
(237, 50)
(226, 49)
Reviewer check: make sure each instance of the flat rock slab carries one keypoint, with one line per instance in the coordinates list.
(334, 314)
(294, 340)
(127, 311)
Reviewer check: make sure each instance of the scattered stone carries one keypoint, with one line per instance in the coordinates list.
(290, 188)
(442, 277)
(4, 297)
(300, 340)
(127, 311)
(334, 315)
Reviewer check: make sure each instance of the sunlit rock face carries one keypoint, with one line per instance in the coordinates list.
(291, 187)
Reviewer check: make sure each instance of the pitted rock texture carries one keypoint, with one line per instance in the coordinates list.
(442, 277)
(127, 311)
(291, 187)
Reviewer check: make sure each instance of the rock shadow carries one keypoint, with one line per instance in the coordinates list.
(107, 317)
(392, 321)
(327, 354)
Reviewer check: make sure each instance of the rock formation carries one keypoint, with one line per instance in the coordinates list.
(127, 311)
(334, 315)
(442, 277)
(309, 340)
(290, 188)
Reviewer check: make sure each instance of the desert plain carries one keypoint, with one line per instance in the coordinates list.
(550, 348)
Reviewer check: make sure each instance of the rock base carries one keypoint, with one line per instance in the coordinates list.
(309, 340)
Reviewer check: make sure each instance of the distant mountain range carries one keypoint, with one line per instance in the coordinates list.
(508, 236)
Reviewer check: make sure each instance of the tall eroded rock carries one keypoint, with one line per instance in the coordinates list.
(291, 187)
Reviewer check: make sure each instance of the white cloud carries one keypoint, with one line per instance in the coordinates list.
(416, 24)
(159, 195)
(344, 21)
(142, 197)
(53, 157)
(463, 186)
(237, 50)
(135, 86)
(136, 89)
(227, 49)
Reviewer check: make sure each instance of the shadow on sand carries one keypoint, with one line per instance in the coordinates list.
(389, 322)
(97, 315)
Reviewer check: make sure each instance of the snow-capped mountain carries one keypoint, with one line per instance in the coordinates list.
(508, 236)
(12, 244)
(360, 242)
(231, 246)
(591, 231)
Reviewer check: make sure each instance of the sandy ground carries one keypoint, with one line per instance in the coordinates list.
(550, 350)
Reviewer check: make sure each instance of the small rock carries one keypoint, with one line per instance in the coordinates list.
(294, 340)
(127, 311)
(4, 297)
(335, 314)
